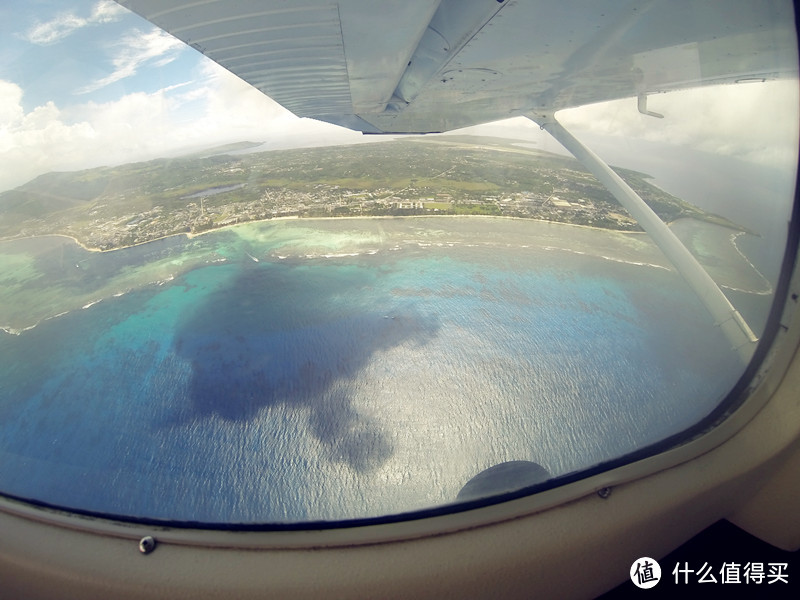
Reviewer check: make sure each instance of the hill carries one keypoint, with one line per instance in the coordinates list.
(108, 207)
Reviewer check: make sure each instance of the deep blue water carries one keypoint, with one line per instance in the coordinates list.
(306, 387)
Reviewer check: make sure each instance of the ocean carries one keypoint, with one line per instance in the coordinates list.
(306, 370)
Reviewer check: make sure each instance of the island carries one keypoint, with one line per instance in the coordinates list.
(111, 207)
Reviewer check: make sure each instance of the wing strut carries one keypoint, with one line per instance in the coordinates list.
(725, 315)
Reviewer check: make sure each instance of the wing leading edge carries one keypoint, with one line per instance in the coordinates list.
(418, 66)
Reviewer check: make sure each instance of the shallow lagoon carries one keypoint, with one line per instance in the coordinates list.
(331, 369)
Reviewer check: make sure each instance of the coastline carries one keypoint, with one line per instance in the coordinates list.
(633, 248)
(191, 235)
(341, 228)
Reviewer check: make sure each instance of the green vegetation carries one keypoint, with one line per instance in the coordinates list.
(109, 207)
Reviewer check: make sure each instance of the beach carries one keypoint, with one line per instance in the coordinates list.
(162, 260)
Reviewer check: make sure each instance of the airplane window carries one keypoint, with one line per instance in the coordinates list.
(213, 311)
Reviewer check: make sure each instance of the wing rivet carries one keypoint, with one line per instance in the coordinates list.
(147, 544)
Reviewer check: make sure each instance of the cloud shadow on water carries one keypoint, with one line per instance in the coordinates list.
(288, 335)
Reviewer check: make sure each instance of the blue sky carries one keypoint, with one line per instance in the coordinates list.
(88, 51)
(85, 83)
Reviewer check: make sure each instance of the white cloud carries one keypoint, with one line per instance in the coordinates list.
(135, 127)
(30, 143)
(233, 104)
(238, 111)
(107, 11)
(55, 30)
(10, 104)
(756, 122)
(64, 24)
(218, 109)
(135, 50)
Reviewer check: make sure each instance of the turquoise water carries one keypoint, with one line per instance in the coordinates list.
(291, 371)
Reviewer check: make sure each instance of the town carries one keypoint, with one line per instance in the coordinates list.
(112, 207)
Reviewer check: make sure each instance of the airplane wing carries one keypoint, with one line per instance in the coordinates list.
(419, 66)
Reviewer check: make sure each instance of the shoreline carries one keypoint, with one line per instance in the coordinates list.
(190, 235)
(554, 238)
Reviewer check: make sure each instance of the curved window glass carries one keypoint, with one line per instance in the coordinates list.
(212, 311)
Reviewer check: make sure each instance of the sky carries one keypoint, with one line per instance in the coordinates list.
(85, 83)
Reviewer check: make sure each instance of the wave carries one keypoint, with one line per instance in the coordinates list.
(744, 291)
(414, 243)
(635, 263)
(768, 289)
(167, 279)
(19, 331)
(615, 259)
(11, 330)
(313, 256)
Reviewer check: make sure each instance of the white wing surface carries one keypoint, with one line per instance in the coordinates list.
(429, 65)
